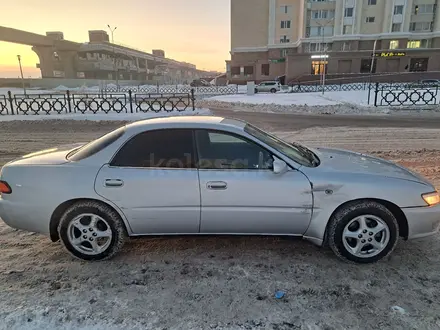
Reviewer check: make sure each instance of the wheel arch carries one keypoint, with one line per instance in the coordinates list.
(60, 209)
(394, 209)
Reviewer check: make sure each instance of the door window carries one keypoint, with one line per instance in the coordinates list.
(168, 148)
(221, 150)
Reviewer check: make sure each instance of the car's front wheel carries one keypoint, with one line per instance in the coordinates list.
(273, 90)
(91, 230)
(363, 232)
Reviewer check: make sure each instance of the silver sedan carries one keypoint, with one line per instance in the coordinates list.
(211, 175)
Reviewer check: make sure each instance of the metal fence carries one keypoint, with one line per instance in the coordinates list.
(405, 94)
(46, 104)
(168, 89)
(317, 87)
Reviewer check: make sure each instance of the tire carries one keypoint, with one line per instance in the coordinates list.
(273, 90)
(346, 225)
(256, 91)
(96, 227)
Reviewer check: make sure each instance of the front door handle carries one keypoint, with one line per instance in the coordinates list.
(114, 183)
(217, 185)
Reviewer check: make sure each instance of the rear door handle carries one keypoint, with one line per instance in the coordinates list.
(217, 185)
(113, 183)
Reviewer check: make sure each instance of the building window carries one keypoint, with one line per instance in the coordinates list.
(285, 9)
(319, 47)
(398, 10)
(370, 19)
(285, 24)
(418, 43)
(372, 2)
(321, 30)
(348, 12)
(366, 65)
(318, 67)
(347, 29)
(235, 71)
(283, 53)
(423, 9)
(248, 70)
(420, 26)
(396, 27)
(265, 69)
(394, 44)
(346, 46)
(284, 40)
(318, 14)
(413, 44)
(418, 64)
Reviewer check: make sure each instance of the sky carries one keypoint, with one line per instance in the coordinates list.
(195, 31)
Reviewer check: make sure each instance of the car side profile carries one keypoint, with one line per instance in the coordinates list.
(268, 87)
(200, 175)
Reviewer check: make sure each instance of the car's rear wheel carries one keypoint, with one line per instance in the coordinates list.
(273, 90)
(91, 230)
(256, 91)
(363, 232)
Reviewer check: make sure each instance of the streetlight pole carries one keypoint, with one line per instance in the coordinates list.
(323, 55)
(373, 57)
(21, 71)
(112, 30)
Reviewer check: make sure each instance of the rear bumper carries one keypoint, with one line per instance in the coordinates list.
(422, 221)
(24, 216)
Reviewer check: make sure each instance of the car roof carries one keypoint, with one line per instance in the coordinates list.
(188, 121)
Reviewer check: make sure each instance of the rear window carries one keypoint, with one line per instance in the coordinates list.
(96, 145)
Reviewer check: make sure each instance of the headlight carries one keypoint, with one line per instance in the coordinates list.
(432, 198)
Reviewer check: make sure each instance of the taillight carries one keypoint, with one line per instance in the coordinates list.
(5, 188)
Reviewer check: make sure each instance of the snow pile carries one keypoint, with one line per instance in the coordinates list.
(310, 99)
(294, 108)
(112, 116)
(61, 88)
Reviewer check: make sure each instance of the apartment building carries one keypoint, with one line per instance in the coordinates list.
(299, 39)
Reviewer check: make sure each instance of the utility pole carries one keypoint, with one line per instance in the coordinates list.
(21, 71)
(323, 55)
(373, 58)
(114, 54)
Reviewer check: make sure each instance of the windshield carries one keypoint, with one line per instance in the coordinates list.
(294, 151)
(95, 146)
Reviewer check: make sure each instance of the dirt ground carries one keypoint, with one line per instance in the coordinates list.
(223, 282)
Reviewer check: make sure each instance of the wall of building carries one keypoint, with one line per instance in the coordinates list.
(346, 48)
(249, 23)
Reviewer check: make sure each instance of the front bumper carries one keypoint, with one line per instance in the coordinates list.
(422, 221)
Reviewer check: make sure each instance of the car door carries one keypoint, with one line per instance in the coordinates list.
(154, 181)
(241, 194)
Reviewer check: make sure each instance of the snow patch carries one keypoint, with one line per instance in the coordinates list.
(106, 117)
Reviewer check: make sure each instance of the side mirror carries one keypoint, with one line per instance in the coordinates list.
(279, 166)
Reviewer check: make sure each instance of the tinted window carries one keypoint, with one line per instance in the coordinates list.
(161, 148)
(96, 145)
(221, 150)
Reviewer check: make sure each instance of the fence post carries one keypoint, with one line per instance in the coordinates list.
(193, 99)
(375, 94)
(157, 88)
(69, 106)
(130, 100)
(11, 102)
